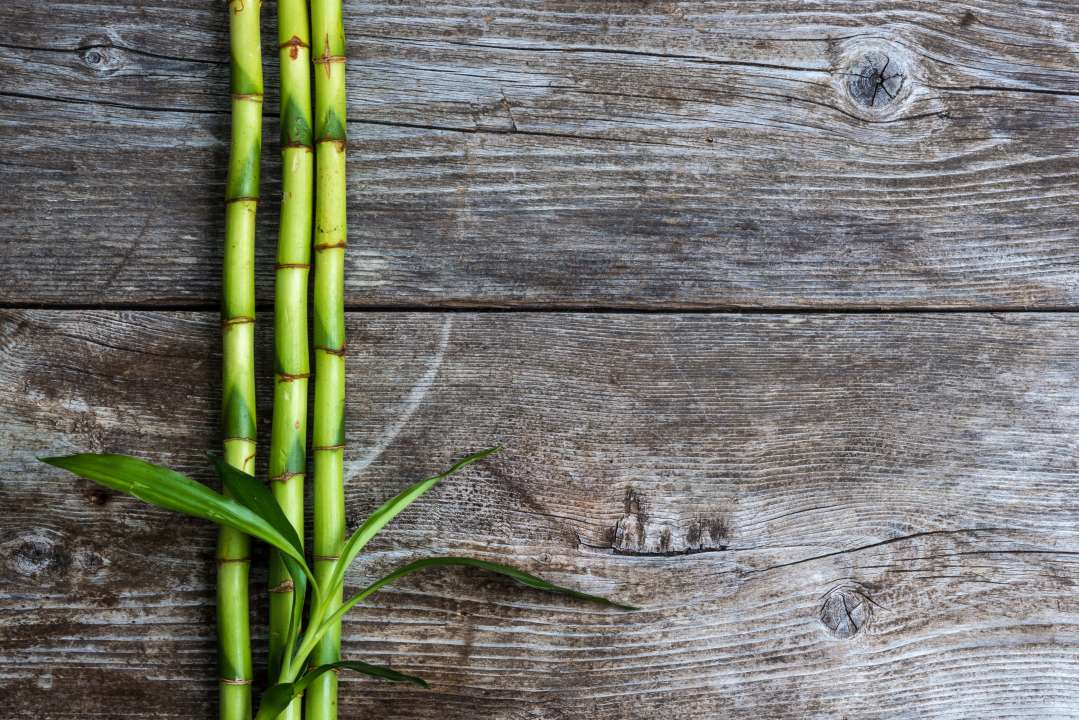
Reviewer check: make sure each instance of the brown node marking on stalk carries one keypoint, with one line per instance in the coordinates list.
(327, 558)
(225, 561)
(253, 97)
(341, 145)
(238, 320)
(297, 146)
(235, 681)
(294, 44)
(330, 246)
(239, 439)
(242, 198)
(287, 266)
(328, 448)
(290, 377)
(329, 60)
(285, 476)
(333, 351)
(286, 586)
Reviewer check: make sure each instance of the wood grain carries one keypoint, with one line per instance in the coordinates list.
(608, 154)
(822, 516)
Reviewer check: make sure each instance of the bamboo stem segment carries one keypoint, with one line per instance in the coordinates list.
(288, 444)
(329, 333)
(238, 350)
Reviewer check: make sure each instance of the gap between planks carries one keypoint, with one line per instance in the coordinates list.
(672, 309)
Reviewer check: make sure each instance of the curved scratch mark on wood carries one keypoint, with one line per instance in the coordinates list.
(411, 402)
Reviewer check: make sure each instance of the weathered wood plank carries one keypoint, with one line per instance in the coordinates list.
(539, 153)
(822, 516)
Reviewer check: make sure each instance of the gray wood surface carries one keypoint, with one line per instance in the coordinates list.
(590, 154)
(822, 516)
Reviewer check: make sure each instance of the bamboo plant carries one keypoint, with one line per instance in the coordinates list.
(251, 509)
(304, 658)
(329, 333)
(288, 441)
(238, 351)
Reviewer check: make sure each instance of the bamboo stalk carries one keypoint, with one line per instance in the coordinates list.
(238, 351)
(327, 30)
(288, 444)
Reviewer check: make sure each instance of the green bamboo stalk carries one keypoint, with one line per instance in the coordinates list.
(327, 29)
(288, 444)
(238, 351)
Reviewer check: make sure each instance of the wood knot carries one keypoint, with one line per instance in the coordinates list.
(100, 59)
(876, 79)
(846, 611)
(640, 533)
(37, 555)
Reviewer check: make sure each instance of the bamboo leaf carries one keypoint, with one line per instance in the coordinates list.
(170, 490)
(387, 512)
(519, 576)
(274, 701)
(299, 593)
(257, 498)
(277, 698)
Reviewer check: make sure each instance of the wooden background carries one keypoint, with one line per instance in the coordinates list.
(786, 356)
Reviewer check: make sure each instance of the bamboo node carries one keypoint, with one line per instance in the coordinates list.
(289, 266)
(253, 97)
(341, 144)
(329, 59)
(226, 561)
(339, 352)
(328, 448)
(235, 681)
(239, 439)
(327, 558)
(293, 41)
(286, 586)
(238, 320)
(342, 244)
(242, 198)
(290, 377)
(285, 476)
(296, 145)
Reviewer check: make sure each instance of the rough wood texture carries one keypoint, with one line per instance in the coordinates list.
(822, 516)
(773, 153)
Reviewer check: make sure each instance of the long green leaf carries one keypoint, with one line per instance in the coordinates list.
(277, 698)
(387, 512)
(247, 490)
(299, 593)
(170, 490)
(518, 576)
(257, 497)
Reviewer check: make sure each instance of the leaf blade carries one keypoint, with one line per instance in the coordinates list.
(248, 491)
(391, 509)
(277, 698)
(519, 576)
(170, 490)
